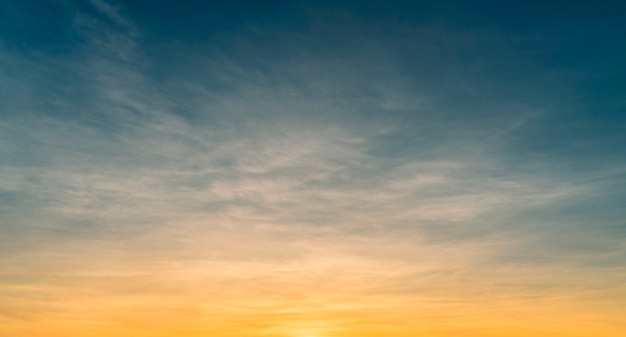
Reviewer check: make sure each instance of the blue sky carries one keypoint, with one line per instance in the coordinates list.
(483, 141)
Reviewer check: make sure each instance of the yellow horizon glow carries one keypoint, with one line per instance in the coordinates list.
(329, 290)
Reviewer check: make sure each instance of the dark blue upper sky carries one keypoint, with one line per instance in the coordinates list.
(475, 61)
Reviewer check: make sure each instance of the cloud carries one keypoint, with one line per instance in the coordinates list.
(113, 14)
(252, 185)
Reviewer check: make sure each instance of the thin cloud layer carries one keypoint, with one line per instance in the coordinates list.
(352, 178)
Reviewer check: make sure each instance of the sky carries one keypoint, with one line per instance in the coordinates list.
(312, 168)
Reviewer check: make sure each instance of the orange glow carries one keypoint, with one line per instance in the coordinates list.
(331, 294)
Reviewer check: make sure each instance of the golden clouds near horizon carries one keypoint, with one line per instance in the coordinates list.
(316, 288)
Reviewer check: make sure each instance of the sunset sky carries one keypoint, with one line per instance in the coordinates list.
(312, 168)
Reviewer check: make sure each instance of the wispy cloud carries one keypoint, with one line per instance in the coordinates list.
(302, 189)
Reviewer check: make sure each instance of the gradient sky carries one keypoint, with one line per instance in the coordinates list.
(312, 168)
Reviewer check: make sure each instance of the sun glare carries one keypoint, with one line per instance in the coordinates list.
(312, 330)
